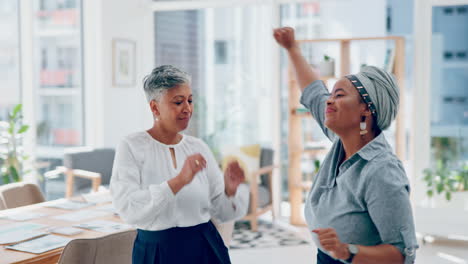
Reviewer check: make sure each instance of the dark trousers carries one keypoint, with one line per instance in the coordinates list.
(200, 244)
(323, 258)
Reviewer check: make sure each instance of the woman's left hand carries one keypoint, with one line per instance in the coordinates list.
(233, 176)
(330, 242)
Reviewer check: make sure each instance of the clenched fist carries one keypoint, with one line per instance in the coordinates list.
(192, 165)
(285, 37)
(329, 240)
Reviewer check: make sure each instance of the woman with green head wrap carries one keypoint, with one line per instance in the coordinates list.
(358, 209)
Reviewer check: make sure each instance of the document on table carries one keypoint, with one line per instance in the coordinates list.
(104, 226)
(24, 216)
(17, 232)
(81, 215)
(70, 205)
(98, 197)
(108, 208)
(65, 230)
(41, 244)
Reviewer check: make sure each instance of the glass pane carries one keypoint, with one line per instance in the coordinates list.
(228, 53)
(449, 91)
(58, 62)
(9, 57)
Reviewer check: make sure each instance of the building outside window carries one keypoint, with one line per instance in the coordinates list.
(228, 53)
(58, 75)
(10, 85)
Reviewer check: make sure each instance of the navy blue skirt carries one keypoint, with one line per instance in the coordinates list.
(323, 258)
(200, 244)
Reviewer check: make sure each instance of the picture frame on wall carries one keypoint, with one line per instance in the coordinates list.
(123, 62)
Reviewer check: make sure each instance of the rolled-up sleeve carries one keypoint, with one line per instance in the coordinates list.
(314, 98)
(387, 199)
(136, 204)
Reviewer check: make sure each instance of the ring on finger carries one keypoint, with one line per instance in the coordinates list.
(197, 162)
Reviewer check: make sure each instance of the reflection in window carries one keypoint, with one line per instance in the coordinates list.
(57, 36)
(9, 57)
(449, 95)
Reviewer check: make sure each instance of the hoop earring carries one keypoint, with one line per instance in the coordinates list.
(363, 126)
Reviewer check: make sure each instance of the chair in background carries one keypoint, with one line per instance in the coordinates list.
(20, 194)
(113, 249)
(85, 168)
(261, 200)
(2, 204)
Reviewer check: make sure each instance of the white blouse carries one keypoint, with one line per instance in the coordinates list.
(143, 198)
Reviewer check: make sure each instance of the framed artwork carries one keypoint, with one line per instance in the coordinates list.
(123, 62)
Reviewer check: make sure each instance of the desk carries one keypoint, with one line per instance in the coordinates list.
(12, 256)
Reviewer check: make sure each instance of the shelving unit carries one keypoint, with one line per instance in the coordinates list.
(296, 113)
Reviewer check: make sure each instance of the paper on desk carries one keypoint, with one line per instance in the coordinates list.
(41, 245)
(108, 208)
(17, 232)
(80, 215)
(24, 216)
(66, 230)
(104, 226)
(98, 197)
(70, 205)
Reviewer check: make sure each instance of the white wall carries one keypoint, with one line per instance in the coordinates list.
(113, 112)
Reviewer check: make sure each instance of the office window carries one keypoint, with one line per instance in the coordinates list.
(220, 52)
(228, 53)
(9, 57)
(449, 91)
(59, 77)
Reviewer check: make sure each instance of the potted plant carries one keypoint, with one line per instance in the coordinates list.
(12, 154)
(445, 180)
(327, 66)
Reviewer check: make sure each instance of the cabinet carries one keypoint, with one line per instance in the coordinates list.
(296, 145)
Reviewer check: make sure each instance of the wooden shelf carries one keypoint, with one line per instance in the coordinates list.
(297, 148)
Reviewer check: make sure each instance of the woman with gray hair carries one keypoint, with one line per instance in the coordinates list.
(358, 207)
(168, 185)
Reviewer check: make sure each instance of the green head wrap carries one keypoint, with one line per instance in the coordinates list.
(383, 92)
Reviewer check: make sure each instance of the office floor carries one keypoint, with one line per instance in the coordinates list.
(439, 251)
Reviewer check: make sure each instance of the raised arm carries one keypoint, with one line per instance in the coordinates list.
(314, 92)
(304, 73)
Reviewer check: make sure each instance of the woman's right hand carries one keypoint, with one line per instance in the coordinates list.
(285, 37)
(192, 165)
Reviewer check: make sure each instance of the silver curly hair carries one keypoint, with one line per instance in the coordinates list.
(161, 79)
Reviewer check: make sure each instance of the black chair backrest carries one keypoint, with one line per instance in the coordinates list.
(266, 159)
(95, 160)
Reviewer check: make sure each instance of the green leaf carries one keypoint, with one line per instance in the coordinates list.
(6, 178)
(14, 174)
(448, 196)
(439, 187)
(11, 128)
(430, 193)
(16, 110)
(23, 129)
